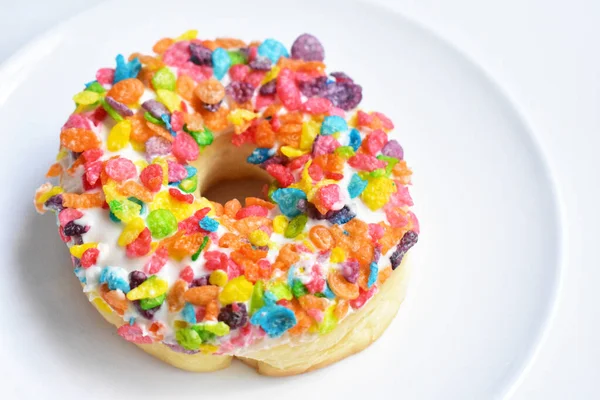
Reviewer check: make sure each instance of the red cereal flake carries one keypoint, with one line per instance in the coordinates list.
(216, 260)
(385, 122)
(185, 147)
(92, 171)
(299, 162)
(239, 72)
(282, 174)
(177, 120)
(190, 225)
(374, 142)
(187, 274)
(157, 261)
(92, 155)
(89, 257)
(315, 172)
(264, 101)
(248, 136)
(120, 169)
(287, 91)
(254, 78)
(362, 297)
(67, 215)
(317, 105)
(140, 246)
(183, 197)
(152, 177)
(252, 211)
(365, 162)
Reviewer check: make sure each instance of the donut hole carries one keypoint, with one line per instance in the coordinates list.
(224, 174)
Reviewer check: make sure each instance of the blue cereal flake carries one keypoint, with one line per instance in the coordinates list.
(287, 199)
(191, 171)
(274, 320)
(114, 280)
(269, 298)
(131, 321)
(340, 217)
(373, 272)
(209, 224)
(273, 50)
(166, 118)
(355, 140)
(80, 274)
(258, 156)
(221, 62)
(356, 186)
(189, 314)
(126, 70)
(333, 124)
(327, 292)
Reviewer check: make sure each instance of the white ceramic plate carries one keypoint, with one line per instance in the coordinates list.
(485, 270)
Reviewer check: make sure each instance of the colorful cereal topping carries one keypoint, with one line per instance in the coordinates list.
(201, 276)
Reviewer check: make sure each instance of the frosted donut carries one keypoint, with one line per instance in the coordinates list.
(291, 282)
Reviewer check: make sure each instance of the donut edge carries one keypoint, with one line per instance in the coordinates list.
(352, 335)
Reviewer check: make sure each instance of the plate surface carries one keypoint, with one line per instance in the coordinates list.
(485, 270)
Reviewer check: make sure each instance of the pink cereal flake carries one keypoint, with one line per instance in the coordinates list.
(120, 169)
(134, 334)
(105, 76)
(185, 147)
(239, 72)
(178, 54)
(67, 215)
(177, 171)
(317, 105)
(77, 121)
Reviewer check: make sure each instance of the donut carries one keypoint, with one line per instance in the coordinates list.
(309, 273)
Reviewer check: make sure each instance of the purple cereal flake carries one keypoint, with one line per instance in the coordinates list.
(409, 239)
(212, 107)
(240, 91)
(73, 229)
(119, 107)
(157, 146)
(350, 269)
(393, 149)
(77, 239)
(148, 314)
(177, 348)
(202, 281)
(261, 63)
(341, 77)
(308, 48)
(55, 203)
(313, 88)
(136, 278)
(376, 253)
(274, 160)
(200, 55)
(234, 315)
(268, 88)
(345, 95)
(155, 108)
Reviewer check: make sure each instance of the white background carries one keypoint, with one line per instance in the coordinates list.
(545, 55)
